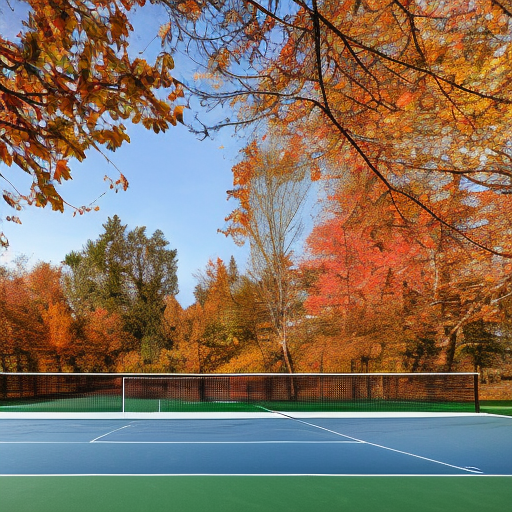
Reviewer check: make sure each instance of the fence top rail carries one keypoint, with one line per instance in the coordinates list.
(217, 375)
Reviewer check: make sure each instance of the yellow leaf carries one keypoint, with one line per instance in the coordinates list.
(164, 31)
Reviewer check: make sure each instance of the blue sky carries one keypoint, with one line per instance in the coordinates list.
(177, 184)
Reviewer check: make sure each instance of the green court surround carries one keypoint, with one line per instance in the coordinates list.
(255, 494)
(114, 404)
(503, 407)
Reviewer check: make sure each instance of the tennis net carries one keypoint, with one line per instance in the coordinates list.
(68, 392)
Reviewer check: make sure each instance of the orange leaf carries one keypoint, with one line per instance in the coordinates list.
(405, 99)
(62, 171)
(178, 113)
(5, 155)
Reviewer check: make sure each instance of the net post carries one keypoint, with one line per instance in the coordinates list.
(476, 378)
(123, 393)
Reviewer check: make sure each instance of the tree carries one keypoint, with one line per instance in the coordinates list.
(408, 286)
(151, 272)
(44, 285)
(220, 331)
(272, 187)
(96, 276)
(359, 254)
(102, 341)
(23, 335)
(481, 344)
(67, 83)
(216, 335)
(415, 92)
(129, 274)
(36, 322)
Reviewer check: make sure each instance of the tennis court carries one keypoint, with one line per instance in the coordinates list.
(262, 460)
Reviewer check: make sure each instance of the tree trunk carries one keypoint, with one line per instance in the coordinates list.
(289, 365)
(287, 357)
(450, 351)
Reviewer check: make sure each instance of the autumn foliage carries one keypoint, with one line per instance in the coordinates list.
(414, 92)
(67, 85)
(398, 112)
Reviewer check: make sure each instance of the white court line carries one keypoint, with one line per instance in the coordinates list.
(45, 442)
(230, 442)
(261, 474)
(108, 433)
(179, 442)
(227, 415)
(475, 471)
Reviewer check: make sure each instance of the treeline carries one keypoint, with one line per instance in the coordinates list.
(102, 310)
(363, 300)
(400, 110)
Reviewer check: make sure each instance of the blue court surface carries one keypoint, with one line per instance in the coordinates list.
(477, 448)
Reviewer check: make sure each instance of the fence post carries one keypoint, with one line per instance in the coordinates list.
(477, 399)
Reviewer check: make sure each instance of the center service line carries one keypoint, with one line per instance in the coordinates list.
(108, 433)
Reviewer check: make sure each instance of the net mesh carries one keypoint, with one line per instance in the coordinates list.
(242, 392)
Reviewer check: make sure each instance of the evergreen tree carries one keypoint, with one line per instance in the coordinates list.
(127, 273)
